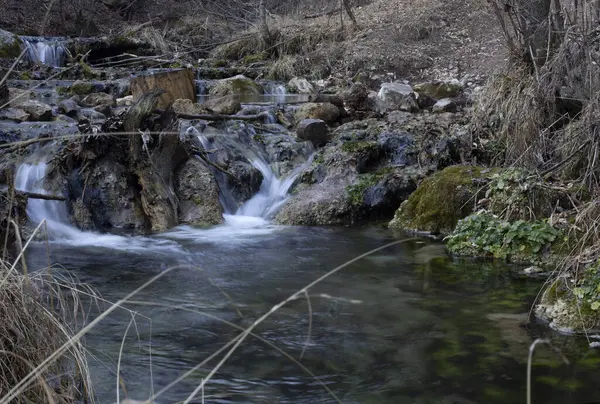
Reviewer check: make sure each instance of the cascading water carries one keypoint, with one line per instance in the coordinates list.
(48, 51)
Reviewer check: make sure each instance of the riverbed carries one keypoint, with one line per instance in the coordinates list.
(404, 325)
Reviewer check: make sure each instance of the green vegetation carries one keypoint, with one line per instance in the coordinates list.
(359, 146)
(11, 50)
(81, 88)
(484, 234)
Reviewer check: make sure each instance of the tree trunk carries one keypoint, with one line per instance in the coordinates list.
(264, 28)
(348, 8)
(176, 84)
(534, 20)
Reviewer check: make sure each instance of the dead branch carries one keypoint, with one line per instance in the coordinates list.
(34, 195)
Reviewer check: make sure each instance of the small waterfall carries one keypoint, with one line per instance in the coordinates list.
(276, 91)
(48, 51)
(273, 192)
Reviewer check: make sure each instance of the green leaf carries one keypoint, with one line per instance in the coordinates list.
(595, 305)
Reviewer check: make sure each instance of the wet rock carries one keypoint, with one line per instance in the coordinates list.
(357, 97)
(285, 152)
(398, 96)
(239, 85)
(125, 101)
(17, 96)
(441, 200)
(399, 147)
(227, 105)
(301, 86)
(98, 99)
(198, 194)
(38, 111)
(188, 107)
(314, 131)
(445, 105)
(69, 108)
(91, 115)
(439, 89)
(81, 87)
(10, 45)
(247, 180)
(13, 114)
(324, 111)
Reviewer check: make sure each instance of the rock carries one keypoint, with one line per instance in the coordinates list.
(98, 99)
(301, 85)
(314, 131)
(398, 96)
(357, 97)
(324, 111)
(188, 107)
(17, 96)
(10, 45)
(399, 147)
(198, 194)
(92, 115)
(227, 105)
(398, 117)
(439, 89)
(441, 200)
(125, 101)
(445, 105)
(239, 85)
(38, 111)
(69, 108)
(13, 114)
(81, 87)
(247, 180)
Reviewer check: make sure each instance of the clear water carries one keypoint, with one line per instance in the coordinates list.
(406, 325)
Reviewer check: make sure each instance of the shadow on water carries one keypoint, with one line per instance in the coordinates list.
(406, 325)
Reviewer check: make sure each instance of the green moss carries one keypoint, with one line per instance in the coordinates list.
(81, 88)
(26, 76)
(259, 138)
(358, 146)
(11, 50)
(87, 71)
(61, 90)
(441, 200)
(357, 191)
(218, 63)
(258, 57)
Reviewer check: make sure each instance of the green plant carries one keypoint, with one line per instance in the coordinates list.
(588, 288)
(484, 234)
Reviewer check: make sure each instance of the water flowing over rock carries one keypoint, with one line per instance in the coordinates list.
(48, 51)
(198, 193)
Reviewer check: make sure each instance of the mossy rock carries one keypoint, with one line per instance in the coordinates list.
(10, 46)
(256, 58)
(441, 200)
(439, 90)
(237, 85)
(81, 88)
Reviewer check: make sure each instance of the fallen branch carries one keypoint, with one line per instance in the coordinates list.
(219, 117)
(34, 195)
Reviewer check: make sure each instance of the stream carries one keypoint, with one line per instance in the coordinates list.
(407, 324)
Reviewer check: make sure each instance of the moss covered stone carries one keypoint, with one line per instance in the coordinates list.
(258, 57)
(441, 200)
(358, 146)
(10, 47)
(81, 88)
(237, 85)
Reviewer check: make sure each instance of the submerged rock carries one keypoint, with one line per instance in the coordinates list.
(441, 200)
(198, 194)
(398, 96)
(239, 85)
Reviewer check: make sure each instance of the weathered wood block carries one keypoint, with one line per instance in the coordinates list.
(176, 84)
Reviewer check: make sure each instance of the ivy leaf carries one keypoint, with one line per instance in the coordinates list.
(596, 305)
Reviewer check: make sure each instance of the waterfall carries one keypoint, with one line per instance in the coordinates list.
(273, 192)
(277, 92)
(48, 51)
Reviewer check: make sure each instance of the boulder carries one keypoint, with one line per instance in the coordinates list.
(324, 111)
(198, 194)
(398, 96)
(17, 96)
(357, 97)
(13, 114)
(188, 107)
(301, 86)
(247, 180)
(439, 89)
(227, 105)
(125, 101)
(314, 131)
(38, 111)
(98, 99)
(10, 45)
(441, 200)
(69, 108)
(445, 105)
(239, 85)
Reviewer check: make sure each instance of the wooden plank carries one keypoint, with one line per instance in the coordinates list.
(176, 84)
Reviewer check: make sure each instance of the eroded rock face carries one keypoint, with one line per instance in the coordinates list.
(198, 194)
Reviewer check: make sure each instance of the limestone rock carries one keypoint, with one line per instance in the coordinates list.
(324, 111)
(398, 96)
(13, 114)
(227, 105)
(17, 96)
(445, 105)
(239, 84)
(357, 97)
(314, 131)
(188, 107)
(69, 108)
(198, 194)
(10, 46)
(38, 111)
(98, 99)
(301, 85)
